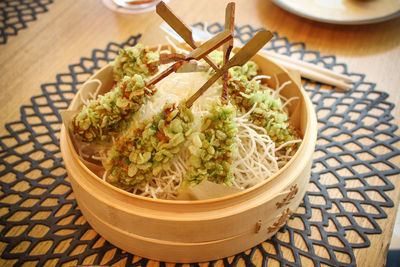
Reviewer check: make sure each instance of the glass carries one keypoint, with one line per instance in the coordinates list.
(132, 6)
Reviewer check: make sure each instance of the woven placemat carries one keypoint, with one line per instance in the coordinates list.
(41, 223)
(15, 15)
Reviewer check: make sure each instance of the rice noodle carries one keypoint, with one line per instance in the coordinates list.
(289, 100)
(92, 95)
(259, 77)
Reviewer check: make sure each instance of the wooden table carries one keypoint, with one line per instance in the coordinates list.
(72, 29)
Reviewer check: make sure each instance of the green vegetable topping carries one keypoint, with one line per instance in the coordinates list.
(214, 149)
(248, 70)
(135, 60)
(105, 115)
(270, 115)
(143, 152)
(244, 93)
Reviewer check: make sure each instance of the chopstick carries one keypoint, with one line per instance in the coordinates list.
(311, 71)
(306, 69)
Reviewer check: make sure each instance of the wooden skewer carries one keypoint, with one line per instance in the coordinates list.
(227, 48)
(169, 58)
(197, 54)
(241, 57)
(165, 73)
(229, 25)
(180, 28)
(165, 59)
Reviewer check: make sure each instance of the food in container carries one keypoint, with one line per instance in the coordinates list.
(176, 230)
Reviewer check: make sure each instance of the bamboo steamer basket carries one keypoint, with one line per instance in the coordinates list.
(203, 230)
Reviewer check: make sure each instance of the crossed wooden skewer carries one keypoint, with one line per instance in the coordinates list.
(200, 52)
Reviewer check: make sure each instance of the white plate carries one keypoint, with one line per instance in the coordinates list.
(343, 11)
